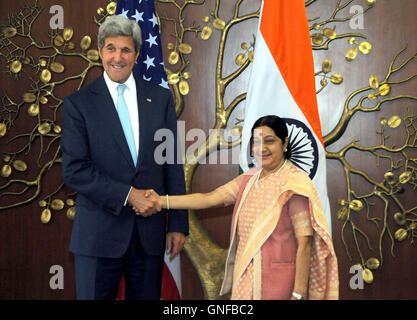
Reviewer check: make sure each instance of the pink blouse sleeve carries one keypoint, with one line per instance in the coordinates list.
(298, 210)
(230, 190)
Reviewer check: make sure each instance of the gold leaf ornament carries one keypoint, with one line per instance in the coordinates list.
(43, 203)
(59, 41)
(368, 276)
(44, 128)
(9, 32)
(71, 213)
(184, 87)
(206, 32)
(400, 234)
(173, 78)
(20, 165)
(400, 219)
(173, 57)
(185, 48)
(45, 76)
(219, 24)
(370, 3)
(351, 54)
(33, 110)
(57, 204)
(85, 42)
(3, 129)
(93, 55)
(186, 75)
(251, 55)
(389, 177)
(6, 171)
(68, 33)
(29, 97)
(46, 215)
(329, 33)
(405, 177)
(336, 78)
(394, 122)
(240, 59)
(43, 100)
(352, 40)
(356, 205)
(16, 66)
(326, 66)
(57, 128)
(111, 8)
(317, 38)
(342, 214)
(365, 47)
(385, 89)
(373, 81)
(70, 202)
(372, 263)
(57, 67)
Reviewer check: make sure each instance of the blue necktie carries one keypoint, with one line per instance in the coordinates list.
(124, 117)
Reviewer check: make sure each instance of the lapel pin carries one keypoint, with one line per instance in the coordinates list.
(148, 99)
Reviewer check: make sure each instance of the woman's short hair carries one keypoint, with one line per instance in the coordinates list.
(277, 125)
(115, 26)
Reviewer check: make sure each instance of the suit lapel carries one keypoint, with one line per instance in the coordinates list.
(107, 111)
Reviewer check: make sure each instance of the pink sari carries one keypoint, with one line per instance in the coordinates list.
(269, 282)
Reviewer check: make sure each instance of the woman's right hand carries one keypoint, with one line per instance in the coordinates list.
(155, 198)
(161, 199)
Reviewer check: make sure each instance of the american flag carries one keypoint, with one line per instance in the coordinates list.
(150, 64)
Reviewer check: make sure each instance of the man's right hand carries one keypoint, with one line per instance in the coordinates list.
(144, 205)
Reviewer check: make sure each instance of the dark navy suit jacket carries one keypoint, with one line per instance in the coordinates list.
(97, 165)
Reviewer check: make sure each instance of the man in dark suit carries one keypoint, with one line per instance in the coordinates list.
(108, 159)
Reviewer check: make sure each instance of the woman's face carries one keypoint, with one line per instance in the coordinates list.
(268, 149)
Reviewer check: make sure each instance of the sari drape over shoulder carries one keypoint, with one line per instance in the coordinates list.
(264, 237)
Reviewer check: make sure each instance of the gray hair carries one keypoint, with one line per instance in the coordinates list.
(115, 26)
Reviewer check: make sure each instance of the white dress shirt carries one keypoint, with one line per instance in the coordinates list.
(129, 94)
(131, 101)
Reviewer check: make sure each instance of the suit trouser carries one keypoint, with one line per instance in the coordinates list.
(99, 278)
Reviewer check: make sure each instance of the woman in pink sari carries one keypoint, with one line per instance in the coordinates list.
(280, 244)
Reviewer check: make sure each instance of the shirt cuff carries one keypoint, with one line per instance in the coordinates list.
(127, 197)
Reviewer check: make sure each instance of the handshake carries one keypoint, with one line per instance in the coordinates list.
(145, 202)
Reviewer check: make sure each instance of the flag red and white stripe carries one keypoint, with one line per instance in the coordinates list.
(282, 83)
(171, 278)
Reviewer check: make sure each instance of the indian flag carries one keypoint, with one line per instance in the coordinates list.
(282, 83)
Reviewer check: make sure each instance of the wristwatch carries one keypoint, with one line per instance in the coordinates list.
(297, 296)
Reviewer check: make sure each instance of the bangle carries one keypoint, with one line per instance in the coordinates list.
(297, 296)
(167, 199)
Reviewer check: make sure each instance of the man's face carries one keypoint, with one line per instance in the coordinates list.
(118, 56)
